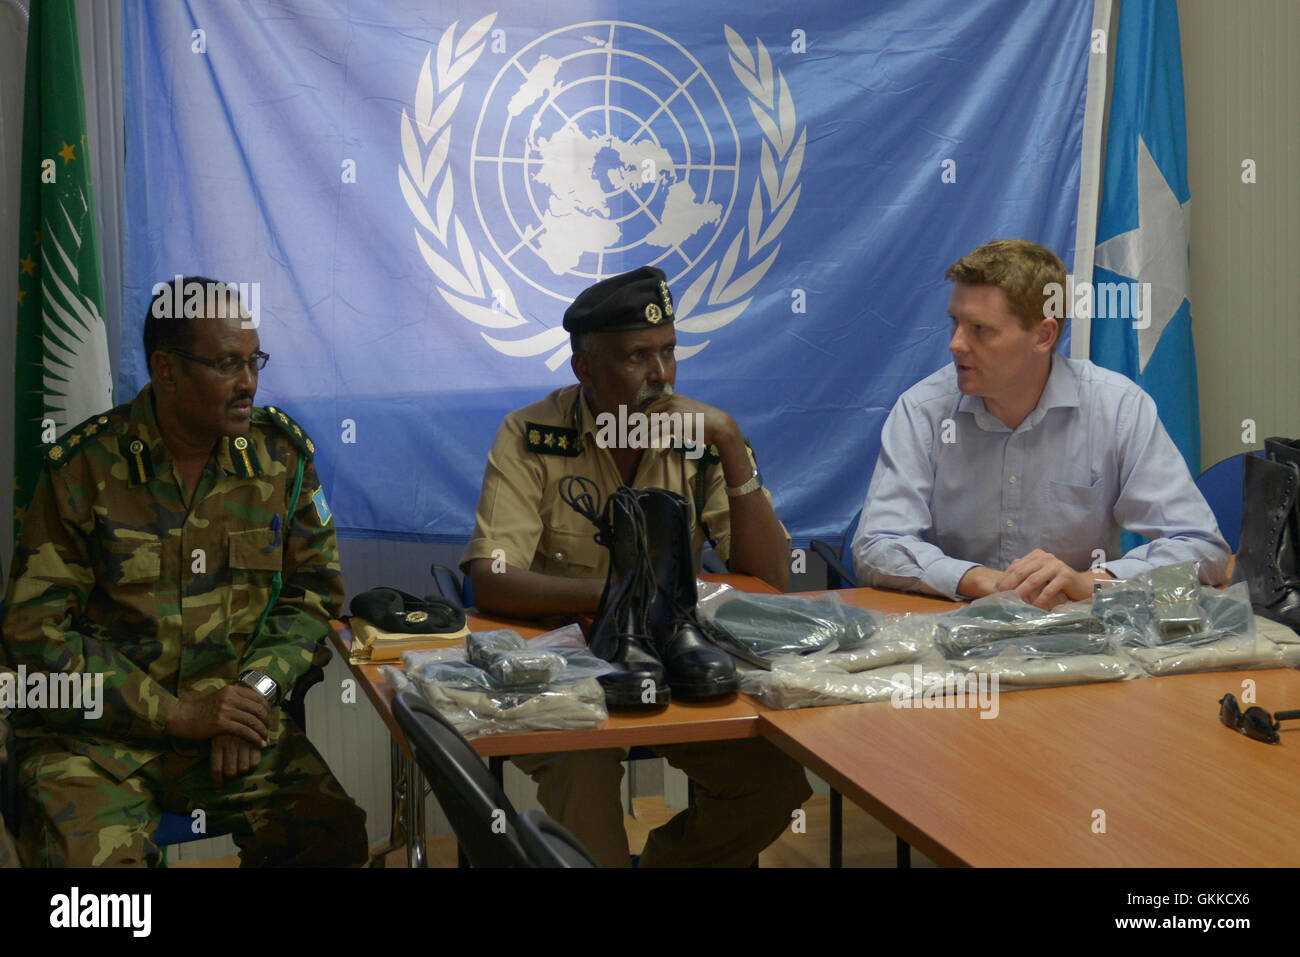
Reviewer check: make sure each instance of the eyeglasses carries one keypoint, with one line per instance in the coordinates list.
(1254, 722)
(230, 366)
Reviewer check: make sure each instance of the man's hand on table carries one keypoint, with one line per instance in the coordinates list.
(1044, 581)
(1039, 578)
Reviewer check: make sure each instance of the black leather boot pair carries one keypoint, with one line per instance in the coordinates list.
(646, 623)
(1269, 556)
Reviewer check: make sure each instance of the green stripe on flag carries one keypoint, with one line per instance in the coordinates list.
(62, 369)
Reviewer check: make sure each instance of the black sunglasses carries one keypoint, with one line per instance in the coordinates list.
(1254, 722)
(229, 366)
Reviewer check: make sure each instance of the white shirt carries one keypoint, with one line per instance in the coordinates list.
(955, 488)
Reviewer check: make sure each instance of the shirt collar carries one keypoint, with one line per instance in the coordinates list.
(1061, 391)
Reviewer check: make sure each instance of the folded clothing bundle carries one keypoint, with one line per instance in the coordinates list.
(772, 625)
(499, 683)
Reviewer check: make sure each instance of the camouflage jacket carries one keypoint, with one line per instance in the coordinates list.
(114, 574)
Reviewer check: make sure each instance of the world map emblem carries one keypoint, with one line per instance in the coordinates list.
(598, 147)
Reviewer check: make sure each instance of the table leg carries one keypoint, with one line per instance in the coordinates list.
(396, 838)
(903, 851)
(837, 828)
(414, 817)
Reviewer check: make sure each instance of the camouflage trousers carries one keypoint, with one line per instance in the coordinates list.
(8, 853)
(288, 811)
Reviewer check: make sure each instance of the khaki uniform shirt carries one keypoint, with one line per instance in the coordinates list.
(116, 574)
(520, 510)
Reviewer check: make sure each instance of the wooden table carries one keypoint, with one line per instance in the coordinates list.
(1149, 760)
(735, 716)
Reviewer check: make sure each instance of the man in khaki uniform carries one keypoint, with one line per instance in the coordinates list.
(180, 550)
(532, 556)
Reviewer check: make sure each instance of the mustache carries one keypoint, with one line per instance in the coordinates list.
(649, 395)
(242, 397)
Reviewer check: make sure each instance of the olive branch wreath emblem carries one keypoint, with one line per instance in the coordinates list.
(471, 284)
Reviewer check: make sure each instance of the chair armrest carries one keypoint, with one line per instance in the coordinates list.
(837, 576)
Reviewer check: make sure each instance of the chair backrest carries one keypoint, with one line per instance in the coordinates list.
(846, 550)
(549, 844)
(1221, 484)
(486, 824)
(451, 586)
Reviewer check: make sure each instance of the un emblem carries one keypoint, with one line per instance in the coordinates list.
(597, 147)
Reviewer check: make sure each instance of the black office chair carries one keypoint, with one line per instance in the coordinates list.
(549, 844)
(487, 826)
(839, 562)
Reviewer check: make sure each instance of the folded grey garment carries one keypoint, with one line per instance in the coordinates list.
(960, 631)
(772, 625)
(397, 678)
(524, 668)
(1040, 672)
(810, 688)
(874, 654)
(506, 657)
(1284, 641)
(1238, 651)
(476, 712)
(1046, 646)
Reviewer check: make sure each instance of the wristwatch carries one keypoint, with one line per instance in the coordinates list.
(263, 684)
(753, 485)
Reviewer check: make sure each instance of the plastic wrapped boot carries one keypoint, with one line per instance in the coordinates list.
(1267, 558)
(620, 633)
(697, 661)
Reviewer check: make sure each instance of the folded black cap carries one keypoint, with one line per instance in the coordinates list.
(632, 300)
(393, 610)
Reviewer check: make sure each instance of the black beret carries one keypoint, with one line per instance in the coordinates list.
(632, 300)
(393, 610)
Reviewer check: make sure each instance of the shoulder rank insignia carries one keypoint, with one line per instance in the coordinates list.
(552, 440)
(289, 427)
(73, 439)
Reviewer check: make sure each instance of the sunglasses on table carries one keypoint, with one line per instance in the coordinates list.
(1254, 722)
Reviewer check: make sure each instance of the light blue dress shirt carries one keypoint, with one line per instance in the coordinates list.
(955, 488)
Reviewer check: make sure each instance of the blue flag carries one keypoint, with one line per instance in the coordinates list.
(1142, 229)
(413, 194)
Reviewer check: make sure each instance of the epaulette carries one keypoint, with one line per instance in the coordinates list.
(281, 419)
(706, 458)
(552, 440)
(73, 439)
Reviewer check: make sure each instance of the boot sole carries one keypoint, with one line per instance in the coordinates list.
(703, 691)
(618, 699)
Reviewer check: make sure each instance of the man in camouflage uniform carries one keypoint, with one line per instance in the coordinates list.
(152, 553)
(8, 853)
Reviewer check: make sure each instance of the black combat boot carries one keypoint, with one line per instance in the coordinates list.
(1270, 532)
(620, 633)
(697, 657)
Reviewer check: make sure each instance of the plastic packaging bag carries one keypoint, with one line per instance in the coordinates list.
(503, 655)
(1002, 624)
(774, 625)
(478, 702)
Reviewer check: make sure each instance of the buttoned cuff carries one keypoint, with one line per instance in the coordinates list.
(946, 574)
(1127, 567)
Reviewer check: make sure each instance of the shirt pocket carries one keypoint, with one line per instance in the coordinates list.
(1075, 516)
(255, 550)
(565, 551)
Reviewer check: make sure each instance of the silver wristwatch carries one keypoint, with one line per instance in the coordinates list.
(263, 684)
(753, 485)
